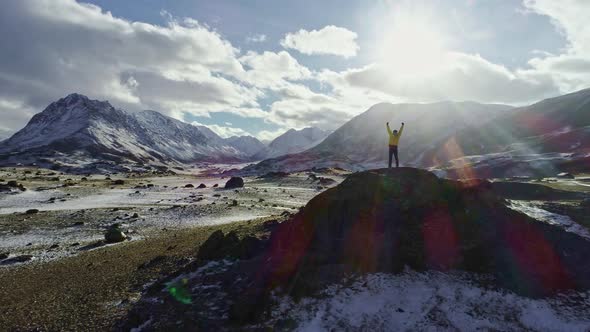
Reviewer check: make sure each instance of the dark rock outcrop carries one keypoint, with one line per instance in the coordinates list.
(234, 182)
(220, 246)
(114, 234)
(385, 220)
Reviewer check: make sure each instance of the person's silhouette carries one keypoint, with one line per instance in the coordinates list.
(393, 143)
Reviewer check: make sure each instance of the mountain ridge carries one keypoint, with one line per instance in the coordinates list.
(78, 130)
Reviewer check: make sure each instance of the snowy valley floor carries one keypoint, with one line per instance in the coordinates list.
(74, 211)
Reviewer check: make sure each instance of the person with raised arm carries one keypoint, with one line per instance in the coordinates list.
(393, 143)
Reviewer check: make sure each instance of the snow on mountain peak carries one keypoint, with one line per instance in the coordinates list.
(294, 141)
(76, 127)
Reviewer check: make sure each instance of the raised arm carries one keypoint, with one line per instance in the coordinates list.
(401, 129)
(388, 129)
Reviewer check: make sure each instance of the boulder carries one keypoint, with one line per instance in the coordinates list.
(18, 259)
(234, 182)
(189, 185)
(326, 181)
(220, 246)
(202, 185)
(114, 234)
(565, 175)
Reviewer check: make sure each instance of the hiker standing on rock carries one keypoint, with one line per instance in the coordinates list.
(393, 142)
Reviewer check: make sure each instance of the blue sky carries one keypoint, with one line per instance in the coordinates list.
(260, 67)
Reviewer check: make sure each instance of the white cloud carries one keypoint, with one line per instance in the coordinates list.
(328, 40)
(224, 131)
(269, 135)
(63, 46)
(271, 70)
(185, 67)
(14, 114)
(258, 38)
(571, 69)
(460, 77)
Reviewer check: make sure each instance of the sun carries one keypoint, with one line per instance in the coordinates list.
(411, 43)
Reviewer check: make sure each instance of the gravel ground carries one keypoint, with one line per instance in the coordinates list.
(92, 290)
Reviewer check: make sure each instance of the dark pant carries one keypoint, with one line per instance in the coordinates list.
(393, 151)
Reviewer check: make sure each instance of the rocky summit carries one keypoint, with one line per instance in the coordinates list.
(386, 220)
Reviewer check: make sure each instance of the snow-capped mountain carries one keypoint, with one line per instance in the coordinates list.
(361, 143)
(294, 141)
(77, 131)
(542, 139)
(248, 145)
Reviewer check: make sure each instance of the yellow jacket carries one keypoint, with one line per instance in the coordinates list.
(394, 138)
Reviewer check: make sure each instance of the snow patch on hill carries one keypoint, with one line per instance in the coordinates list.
(431, 301)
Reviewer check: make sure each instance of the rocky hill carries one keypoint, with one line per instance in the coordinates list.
(379, 221)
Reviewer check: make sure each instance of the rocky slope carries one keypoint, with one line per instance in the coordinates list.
(537, 140)
(79, 133)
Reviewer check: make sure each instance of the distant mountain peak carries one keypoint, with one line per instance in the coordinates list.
(78, 130)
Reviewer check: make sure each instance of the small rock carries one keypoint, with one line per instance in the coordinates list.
(189, 186)
(565, 175)
(32, 211)
(78, 223)
(215, 185)
(54, 246)
(202, 185)
(234, 203)
(119, 182)
(21, 258)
